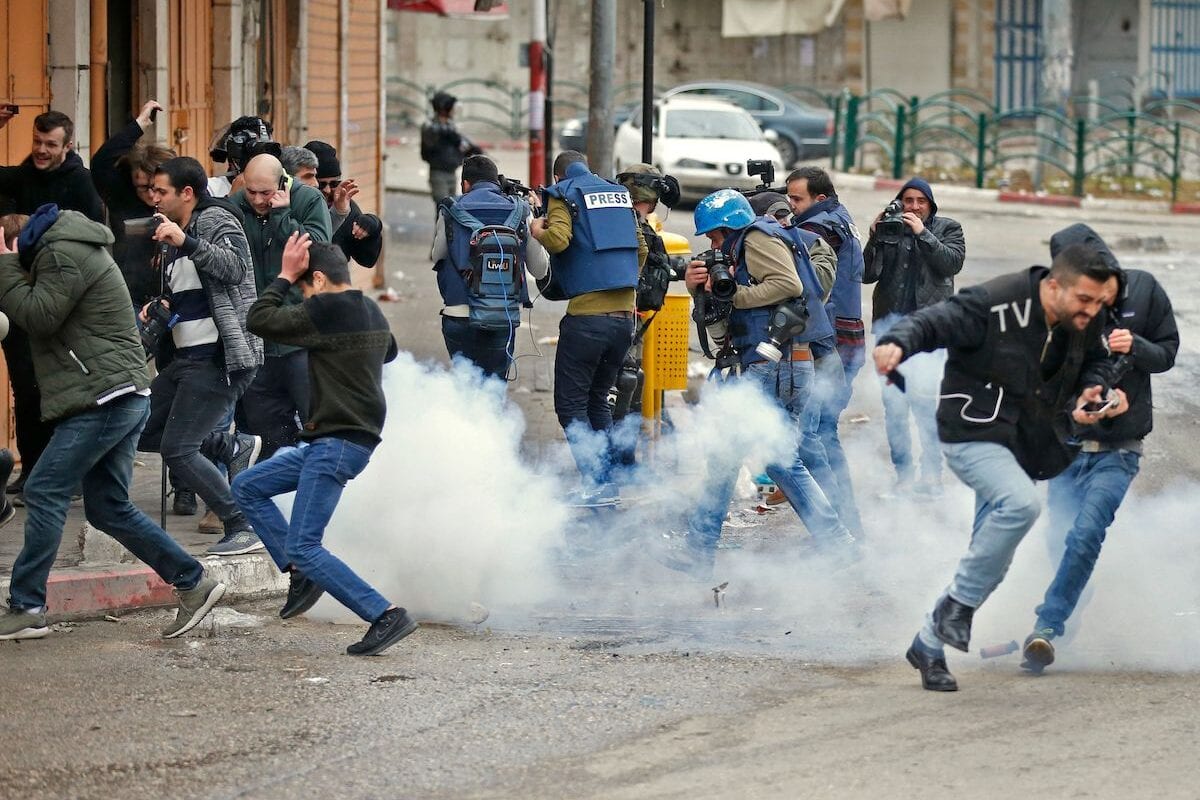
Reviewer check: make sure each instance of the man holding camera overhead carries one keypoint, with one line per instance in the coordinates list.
(775, 310)
(912, 257)
(206, 356)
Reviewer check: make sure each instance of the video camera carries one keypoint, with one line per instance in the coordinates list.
(890, 229)
(764, 167)
(244, 143)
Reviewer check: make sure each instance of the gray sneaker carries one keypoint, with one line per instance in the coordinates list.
(246, 455)
(235, 543)
(194, 605)
(18, 623)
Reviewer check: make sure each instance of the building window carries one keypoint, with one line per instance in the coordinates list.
(1018, 53)
(1175, 48)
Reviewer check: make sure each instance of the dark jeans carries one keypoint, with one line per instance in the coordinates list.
(1082, 501)
(591, 350)
(489, 349)
(96, 447)
(317, 472)
(276, 403)
(32, 433)
(188, 400)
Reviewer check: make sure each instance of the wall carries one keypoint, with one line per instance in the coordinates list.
(1106, 42)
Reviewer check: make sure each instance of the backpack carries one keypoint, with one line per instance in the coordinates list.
(495, 270)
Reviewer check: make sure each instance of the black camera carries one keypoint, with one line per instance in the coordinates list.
(142, 226)
(764, 167)
(160, 320)
(244, 144)
(724, 287)
(890, 229)
(514, 188)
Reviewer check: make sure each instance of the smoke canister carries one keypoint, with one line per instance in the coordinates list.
(997, 650)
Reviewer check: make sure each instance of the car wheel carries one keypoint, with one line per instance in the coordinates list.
(788, 150)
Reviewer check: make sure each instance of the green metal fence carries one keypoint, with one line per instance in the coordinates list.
(1099, 140)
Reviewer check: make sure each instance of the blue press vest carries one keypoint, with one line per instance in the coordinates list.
(490, 206)
(846, 298)
(749, 325)
(603, 252)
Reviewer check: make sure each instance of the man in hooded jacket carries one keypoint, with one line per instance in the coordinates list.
(1084, 499)
(913, 273)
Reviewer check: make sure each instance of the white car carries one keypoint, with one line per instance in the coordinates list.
(704, 143)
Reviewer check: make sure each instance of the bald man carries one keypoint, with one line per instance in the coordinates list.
(274, 206)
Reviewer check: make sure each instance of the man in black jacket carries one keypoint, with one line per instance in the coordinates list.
(1023, 349)
(443, 147)
(359, 235)
(914, 272)
(123, 173)
(53, 173)
(1083, 500)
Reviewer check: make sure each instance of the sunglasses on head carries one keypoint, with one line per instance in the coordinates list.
(329, 184)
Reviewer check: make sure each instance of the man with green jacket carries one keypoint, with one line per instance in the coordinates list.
(273, 208)
(63, 287)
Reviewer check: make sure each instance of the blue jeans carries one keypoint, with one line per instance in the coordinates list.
(489, 349)
(923, 375)
(1082, 501)
(790, 383)
(590, 352)
(317, 472)
(97, 448)
(822, 448)
(1006, 506)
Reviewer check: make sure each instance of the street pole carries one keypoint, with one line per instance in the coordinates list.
(1057, 68)
(600, 127)
(648, 80)
(537, 92)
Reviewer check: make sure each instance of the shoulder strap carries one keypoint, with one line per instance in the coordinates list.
(465, 218)
(516, 217)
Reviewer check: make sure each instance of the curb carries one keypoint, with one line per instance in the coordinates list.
(95, 590)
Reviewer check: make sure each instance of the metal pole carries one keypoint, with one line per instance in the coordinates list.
(547, 178)
(851, 128)
(1080, 153)
(537, 91)
(898, 143)
(600, 127)
(648, 80)
(980, 150)
(1175, 165)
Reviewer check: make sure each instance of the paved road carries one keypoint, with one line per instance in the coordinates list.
(598, 674)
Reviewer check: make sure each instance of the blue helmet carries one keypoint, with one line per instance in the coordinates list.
(726, 208)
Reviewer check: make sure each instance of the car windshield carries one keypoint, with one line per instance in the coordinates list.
(694, 123)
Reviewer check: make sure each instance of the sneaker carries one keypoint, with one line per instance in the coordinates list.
(18, 499)
(20, 623)
(184, 504)
(776, 498)
(235, 543)
(7, 512)
(210, 523)
(16, 486)
(678, 555)
(245, 456)
(194, 605)
(384, 632)
(599, 497)
(303, 594)
(1038, 652)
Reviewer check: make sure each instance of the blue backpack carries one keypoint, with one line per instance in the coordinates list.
(495, 268)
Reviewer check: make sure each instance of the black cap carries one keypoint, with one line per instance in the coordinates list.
(328, 165)
(443, 102)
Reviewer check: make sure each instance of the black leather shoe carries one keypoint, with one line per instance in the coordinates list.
(303, 594)
(935, 675)
(952, 622)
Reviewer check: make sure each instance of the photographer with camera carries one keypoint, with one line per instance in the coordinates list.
(775, 312)
(245, 138)
(1082, 501)
(443, 147)
(64, 288)
(209, 358)
(596, 253)
(273, 207)
(912, 257)
(481, 249)
(123, 172)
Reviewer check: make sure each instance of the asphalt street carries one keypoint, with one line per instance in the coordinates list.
(617, 678)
